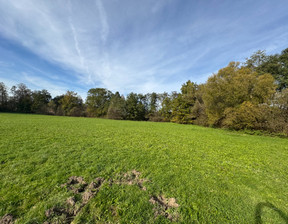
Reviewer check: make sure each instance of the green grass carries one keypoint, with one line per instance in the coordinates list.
(216, 176)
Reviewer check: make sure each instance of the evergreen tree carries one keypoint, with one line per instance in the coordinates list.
(117, 107)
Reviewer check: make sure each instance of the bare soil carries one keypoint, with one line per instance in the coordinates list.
(78, 186)
(163, 206)
(7, 219)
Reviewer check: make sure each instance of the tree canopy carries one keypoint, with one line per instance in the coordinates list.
(250, 95)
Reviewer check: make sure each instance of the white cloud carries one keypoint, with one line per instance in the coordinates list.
(103, 20)
(76, 36)
(127, 46)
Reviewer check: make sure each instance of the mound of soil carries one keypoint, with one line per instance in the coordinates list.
(92, 189)
(76, 185)
(132, 178)
(7, 219)
(162, 206)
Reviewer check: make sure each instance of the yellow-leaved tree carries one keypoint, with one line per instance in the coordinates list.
(236, 87)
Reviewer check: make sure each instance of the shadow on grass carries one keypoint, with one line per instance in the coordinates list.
(259, 209)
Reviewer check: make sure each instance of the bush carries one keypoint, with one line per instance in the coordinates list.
(246, 116)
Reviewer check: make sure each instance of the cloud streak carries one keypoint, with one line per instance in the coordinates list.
(103, 20)
(139, 46)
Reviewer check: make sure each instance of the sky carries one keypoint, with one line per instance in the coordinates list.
(128, 46)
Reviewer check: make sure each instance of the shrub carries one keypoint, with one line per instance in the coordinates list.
(246, 116)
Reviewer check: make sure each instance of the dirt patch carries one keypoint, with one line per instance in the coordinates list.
(113, 210)
(91, 190)
(164, 207)
(76, 185)
(132, 178)
(52, 212)
(7, 219)
(83, 193)
(165, 202)
(71, 201)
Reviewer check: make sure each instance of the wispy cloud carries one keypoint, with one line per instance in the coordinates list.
(103, 20)
(139, 46)
(6, 64)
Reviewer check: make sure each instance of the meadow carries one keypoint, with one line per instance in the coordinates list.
(214, 176)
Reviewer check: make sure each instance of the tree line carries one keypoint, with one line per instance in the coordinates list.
(249, 95)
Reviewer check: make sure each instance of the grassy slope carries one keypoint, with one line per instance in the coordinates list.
(216, 176)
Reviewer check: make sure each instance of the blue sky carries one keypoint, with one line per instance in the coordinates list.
(132, 45)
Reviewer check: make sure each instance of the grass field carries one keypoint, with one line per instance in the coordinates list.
(216, 176)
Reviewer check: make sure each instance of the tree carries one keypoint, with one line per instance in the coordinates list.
(152, 106)
(54, 106)
(135, 107)
(166, 105)
(256, 60)
(71, 104)
(98, 101)
(40, 99)
(281, 100)
(117, 107)
(199, 110)
(3, 97)
(277, 119)
(51, 107)
(244, 116)
(232, 86)
(282, 76)
(182, 105)
(276, 65)
(21, 100)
